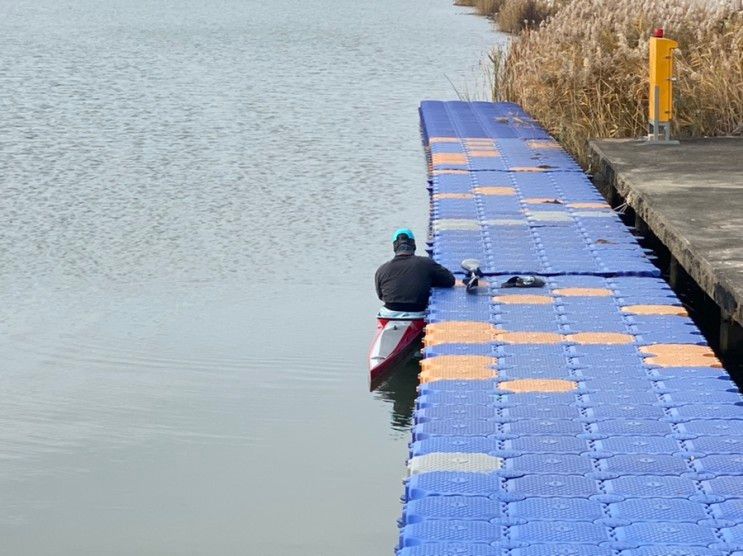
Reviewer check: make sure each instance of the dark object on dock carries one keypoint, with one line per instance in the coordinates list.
(473, 274)
(523, 282)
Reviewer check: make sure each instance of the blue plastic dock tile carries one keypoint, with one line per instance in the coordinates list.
(479, 508)
(667, 335)
(634, 427)
(552, 485)
(450, 530)
(600, 307)
(693, 373)
(522, 372)
(630, 378)
(458, 349)
(538, 399)
(731, 510)
(632, 284)
(631, 291)
(716, 445)
(638, 445)
(455, 427)
(712, 427)
(547, 444)
(454, 209)
(560, 531)
(651, 487)
(444, 397)
(447, 148)
(441, 483)
(510, 207)
(459, 238)
(645, 464)
(541, 509)
(719, 381)
(533, 318)
(452, 184)
(431, 398)
(605, 355)
(536, 357)
(452, 549)
(459, 444)
(550, 412)
(721, 464)
(530, 464)
(734, 535)
(702, 397)
(464, 412)
(667, 533)
(641, 509)
(553, 549)
(563, 282)
(627, 411)
(626, 298)
(544, 427)
(613, 377)
(730, 411)
(597, 399)
(454, 386)
(669, 550)
(669, 322)
(593, 323)
(726, 487)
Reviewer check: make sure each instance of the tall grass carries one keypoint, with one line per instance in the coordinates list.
(516, 15)
(488, 8)
(583, 73)
(513, 15)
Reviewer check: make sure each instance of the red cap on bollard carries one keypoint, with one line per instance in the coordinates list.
(658, 33)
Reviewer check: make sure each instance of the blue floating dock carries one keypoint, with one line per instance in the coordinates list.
(586, 417)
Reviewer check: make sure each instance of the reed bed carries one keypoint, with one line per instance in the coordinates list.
(517, 15)
(583, 72)
(488, 8)
(514, 16)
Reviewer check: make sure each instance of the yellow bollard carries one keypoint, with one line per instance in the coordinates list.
(660, 111)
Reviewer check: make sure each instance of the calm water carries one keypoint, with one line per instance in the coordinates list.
(193, 199)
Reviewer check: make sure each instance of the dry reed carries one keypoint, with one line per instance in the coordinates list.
(516, 15)
(583, 73)
(513, 15)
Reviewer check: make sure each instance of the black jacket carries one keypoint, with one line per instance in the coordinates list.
(404, 283)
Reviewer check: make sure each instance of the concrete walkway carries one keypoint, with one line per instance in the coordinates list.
(691, 197)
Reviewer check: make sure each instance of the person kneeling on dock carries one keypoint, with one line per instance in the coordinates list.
(404, 283)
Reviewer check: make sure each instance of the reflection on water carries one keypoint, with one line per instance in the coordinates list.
(400, 391)
(194, 197)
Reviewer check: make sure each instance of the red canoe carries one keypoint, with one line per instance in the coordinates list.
(394, 342)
